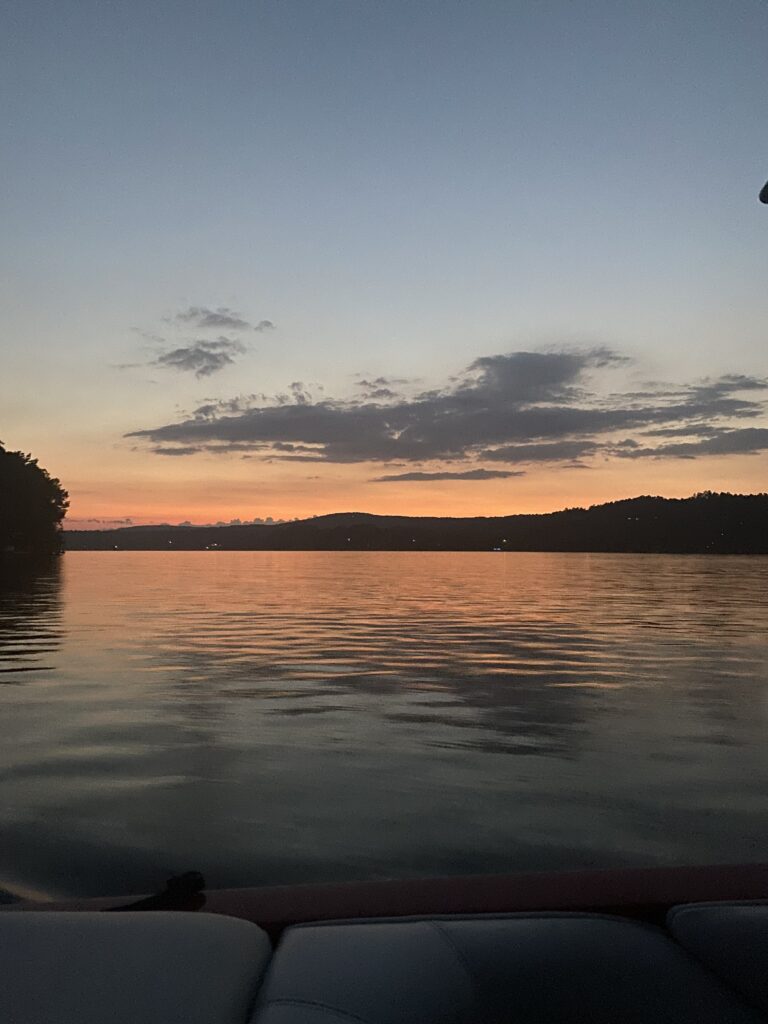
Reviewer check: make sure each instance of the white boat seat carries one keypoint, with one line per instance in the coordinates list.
(511, 969)
(128, 968)
(195, 968)
(731, 939)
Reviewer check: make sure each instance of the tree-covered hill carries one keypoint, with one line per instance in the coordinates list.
(706, 523)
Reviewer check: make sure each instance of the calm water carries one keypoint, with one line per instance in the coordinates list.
(274, 717)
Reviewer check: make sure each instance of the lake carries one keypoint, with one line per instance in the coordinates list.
(275, 717)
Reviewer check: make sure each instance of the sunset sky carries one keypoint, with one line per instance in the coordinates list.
(277, 259)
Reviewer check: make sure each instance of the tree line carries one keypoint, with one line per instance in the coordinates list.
(32, 506)
(705, 523)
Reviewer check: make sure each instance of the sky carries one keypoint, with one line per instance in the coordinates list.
(278, 259)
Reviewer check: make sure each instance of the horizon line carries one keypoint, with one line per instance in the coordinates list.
(126, 523)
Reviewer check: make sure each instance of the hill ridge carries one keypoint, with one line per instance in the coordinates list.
(706, 523)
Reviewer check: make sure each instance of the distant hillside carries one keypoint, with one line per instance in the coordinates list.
(706, 523)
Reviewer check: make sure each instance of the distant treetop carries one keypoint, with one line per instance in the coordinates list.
(32, 506)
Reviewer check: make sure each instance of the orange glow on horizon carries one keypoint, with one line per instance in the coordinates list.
(221, 492)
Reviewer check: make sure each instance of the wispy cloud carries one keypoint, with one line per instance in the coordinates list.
(538, 408)
(746, 441)
(382, 388)
(180, 450)
(470, 474)
(220, 319)
(552, 451)
(202, 357)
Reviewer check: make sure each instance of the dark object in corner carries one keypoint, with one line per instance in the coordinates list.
(182, 892)
(764, 193)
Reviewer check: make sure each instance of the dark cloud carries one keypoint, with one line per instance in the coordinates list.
(383, 394)
(521, 407)
(214, 407)
(746, 441)
(202, 358)
(537, 376)
(470, 474)
(382, 382)
(300, 393)
(181, 450)
(729, 383)
(688, 430)
(382, 389)
(312, 453)
(220, 319)
(553, 451)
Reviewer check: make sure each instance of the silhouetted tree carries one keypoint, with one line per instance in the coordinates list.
(32, 506)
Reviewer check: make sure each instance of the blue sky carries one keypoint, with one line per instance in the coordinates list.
(400, 189)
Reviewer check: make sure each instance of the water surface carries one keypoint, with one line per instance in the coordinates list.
(271, 717)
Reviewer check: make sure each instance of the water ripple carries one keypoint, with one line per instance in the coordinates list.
(292, 716)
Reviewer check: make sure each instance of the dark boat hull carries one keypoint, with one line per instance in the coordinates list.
(644, 893)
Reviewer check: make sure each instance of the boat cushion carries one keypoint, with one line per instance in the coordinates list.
(523, 968)
(128, 968)
(731, 939)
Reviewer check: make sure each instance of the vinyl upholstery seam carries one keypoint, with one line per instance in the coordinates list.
(457, 953)
(318, 1006)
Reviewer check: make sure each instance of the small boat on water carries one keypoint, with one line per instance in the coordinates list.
(679, 945)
